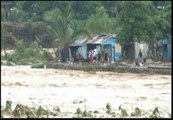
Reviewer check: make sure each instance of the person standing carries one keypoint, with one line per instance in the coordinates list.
(99, 56)
(74, 56)
(90, 56)
(140, 55)
(94, 54)
(77, 56)
(106, 56)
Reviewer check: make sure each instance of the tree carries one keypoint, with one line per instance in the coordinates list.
(168, 18)
(60, 22)
(136, 23)
(160, 4)
(163, 20)
(6, 40)
(99, 22)
(81, 10)
(143, 21)
(42, 36)
(112, 7)
(17, 13)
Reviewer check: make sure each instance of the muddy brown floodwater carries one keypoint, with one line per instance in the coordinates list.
(52, 87)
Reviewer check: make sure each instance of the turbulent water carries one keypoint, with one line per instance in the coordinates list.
(51, 87)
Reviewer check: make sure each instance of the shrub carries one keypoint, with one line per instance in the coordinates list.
(41, 111)
(108, 106)
(8, 108)
(78, 111)
(123, 111)
(87, 113)
(25, 56)
(137, 112)
(19, 110)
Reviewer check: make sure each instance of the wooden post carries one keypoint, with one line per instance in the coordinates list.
(102, 54)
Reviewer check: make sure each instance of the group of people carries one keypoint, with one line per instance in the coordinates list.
(93, 56)
(76, 56)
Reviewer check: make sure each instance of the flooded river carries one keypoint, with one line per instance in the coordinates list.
(52, 87)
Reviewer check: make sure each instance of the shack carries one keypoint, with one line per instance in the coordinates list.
(80, 46)
(131, 51)
(163, 48)
(102, 43)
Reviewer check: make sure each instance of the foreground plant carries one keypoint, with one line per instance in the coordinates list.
(21, 111)
(123, 111)
(137, 112)
(155, 113)
(8, 108)
(78, 111)
(84, 113)
(108, 107)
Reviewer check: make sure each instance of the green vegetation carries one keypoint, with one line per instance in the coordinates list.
(23, 111)
(123, 111)
(78, 111)
(8, 108)
(28, 26)
(108, 107)
(137, 112)
(100, 22)
(84, 113)
(31, 55)
(59, 23)
(155, 113)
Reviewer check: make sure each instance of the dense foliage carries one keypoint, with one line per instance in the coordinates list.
(61, 22)
(27, 55)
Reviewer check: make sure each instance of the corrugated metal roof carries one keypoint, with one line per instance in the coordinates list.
(98, 39)
(79, 42)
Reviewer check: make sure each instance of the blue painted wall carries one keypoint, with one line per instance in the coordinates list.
(112, 41)
(109, 41)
